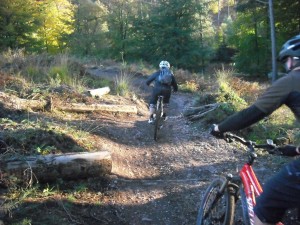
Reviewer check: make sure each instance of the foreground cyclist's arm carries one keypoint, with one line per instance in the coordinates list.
(241, 119)
(289, 150)
(281, 92)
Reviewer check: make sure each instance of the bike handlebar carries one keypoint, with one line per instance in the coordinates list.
(269, 147)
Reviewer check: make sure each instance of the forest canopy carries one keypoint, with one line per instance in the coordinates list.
(189, 33)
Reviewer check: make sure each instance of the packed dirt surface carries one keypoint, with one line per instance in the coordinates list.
(152, 182)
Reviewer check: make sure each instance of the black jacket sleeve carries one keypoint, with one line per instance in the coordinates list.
(151, 78)
(242, 119)
(174, 84)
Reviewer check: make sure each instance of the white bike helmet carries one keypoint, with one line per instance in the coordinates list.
(164, 64)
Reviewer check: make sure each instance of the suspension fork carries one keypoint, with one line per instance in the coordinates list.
(234, 183)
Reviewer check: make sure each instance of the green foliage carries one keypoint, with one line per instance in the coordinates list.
(33, 73)
(233, 96)
(172, 32)
(189, 86)
(48, 191)
(122, 84)
(59, 74)
(24, 221)
(19, 19)
(227, 95)
(249, 34)
(45, 150)
(81, 187)
(182, 32)
(39, 137)
(90, 28)
(280, 124)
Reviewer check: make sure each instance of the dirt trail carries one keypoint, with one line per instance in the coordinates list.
(152, 183)
(161, 182)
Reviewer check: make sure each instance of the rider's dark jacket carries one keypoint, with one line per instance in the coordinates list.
(157, 84)
(161, 89)
(285, 91)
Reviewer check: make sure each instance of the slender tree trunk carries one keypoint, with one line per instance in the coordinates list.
(273, 41)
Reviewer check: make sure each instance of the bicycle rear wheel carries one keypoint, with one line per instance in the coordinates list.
(156, 127)
(157, 122)
(217, 206)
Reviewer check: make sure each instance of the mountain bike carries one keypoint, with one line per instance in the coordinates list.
(220, 198)
(158, 116)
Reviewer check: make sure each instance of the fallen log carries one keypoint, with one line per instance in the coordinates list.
(80, 107)
(99, 92)
(195, 113)
(17, 103)
(69, 166)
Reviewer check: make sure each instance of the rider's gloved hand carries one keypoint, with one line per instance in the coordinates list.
(288, 150)
(215, 131)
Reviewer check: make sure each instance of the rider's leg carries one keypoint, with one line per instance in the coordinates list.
(151, 110)
(166, 110)
(152, 105)
(281, 192)
(167, 95)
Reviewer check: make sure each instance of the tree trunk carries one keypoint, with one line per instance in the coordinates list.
(69, 166)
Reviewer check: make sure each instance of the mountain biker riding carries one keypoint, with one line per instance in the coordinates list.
(282, 191)
(161, 87)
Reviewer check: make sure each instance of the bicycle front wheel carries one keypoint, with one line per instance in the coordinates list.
(217, 206)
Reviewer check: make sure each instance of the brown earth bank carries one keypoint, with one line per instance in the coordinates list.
(152, 183)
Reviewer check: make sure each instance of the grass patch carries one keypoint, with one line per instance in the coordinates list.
(122, 84)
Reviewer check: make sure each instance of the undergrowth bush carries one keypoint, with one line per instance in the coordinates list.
(235, 94)
(189, 86)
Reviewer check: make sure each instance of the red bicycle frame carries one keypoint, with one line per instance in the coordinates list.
(252, 189)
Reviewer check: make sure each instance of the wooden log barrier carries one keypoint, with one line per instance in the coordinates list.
(69, 166)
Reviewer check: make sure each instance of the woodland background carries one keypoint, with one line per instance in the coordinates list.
(58, 50)
(189, 33)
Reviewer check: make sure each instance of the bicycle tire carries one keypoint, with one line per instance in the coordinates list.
(217, 208)
(246, 218)
(157, 120)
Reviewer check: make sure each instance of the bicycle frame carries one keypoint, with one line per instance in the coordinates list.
(252, 189)
(219, 200)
